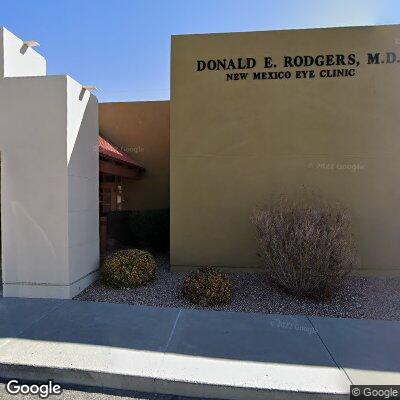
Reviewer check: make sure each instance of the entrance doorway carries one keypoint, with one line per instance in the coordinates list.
(110, 193)
(115, 166)
(110, 199)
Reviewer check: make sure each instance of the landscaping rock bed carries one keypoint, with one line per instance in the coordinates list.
(370, 298)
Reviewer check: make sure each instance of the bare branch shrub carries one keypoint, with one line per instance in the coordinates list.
(306, 244)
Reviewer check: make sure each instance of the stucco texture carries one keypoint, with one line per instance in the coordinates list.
(49, 176)
(49, 208)
(234, 143)
(141, 129)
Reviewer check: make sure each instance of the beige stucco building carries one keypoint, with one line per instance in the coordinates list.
(258, 113)
(141, 130)
(251, 115)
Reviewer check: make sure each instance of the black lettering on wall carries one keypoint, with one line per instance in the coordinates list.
(373, 58)
(391, 57)
(351, 59)
(267, 62)
(287, 61)
(201, 65)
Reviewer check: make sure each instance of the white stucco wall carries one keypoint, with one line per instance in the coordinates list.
(83, 184)
(17, 59)
(34, 183)
(49, 185)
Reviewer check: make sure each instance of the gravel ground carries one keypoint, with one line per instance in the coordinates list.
(370, 298)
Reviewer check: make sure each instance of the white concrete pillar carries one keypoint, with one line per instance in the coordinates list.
(49, 178)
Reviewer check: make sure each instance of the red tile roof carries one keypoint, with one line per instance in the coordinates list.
(109, 150)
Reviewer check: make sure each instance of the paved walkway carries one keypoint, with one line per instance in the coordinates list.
(194, 353)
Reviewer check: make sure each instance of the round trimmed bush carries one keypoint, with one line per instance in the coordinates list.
(128, 268)
(207, 287)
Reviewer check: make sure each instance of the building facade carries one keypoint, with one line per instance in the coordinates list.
(251, 115)
(261, 113)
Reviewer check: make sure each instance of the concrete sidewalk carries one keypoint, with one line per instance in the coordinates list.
(194, 353)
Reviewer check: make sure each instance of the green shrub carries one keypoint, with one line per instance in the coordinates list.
(207, 287)
(128, 269)
(306, 244)
(150, 228)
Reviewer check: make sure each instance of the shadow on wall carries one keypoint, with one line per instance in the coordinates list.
(83, 184)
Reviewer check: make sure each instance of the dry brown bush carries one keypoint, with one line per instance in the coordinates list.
(306, 245)
(207, 287)
(128, 268)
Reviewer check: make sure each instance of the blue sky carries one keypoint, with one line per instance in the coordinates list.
(123, 46)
